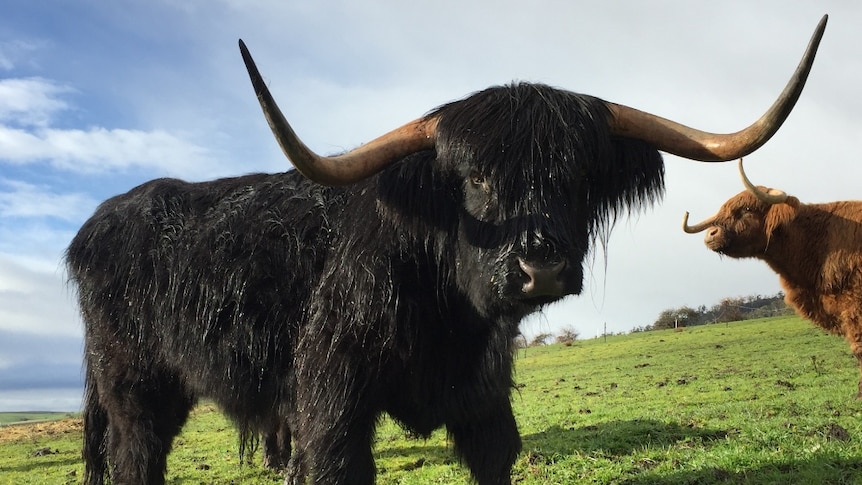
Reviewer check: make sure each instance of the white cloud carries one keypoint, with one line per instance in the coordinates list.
(24, 292)
(36, 223)
(101, 149)
(28, 200)
(30, 101)
(28, 109)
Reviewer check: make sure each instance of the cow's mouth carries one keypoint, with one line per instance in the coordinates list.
(540, 300)
(717, 246)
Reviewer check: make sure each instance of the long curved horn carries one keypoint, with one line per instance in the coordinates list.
(773, 196)
(349, 167)
(672, 137)
(697, 227)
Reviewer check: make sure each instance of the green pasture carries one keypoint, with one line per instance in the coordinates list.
(7, 418)
(768, 401)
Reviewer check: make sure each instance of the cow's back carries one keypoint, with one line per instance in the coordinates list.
(206, 280)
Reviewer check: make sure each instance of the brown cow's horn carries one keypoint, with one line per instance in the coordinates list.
(697, 227)
(686, 142)
(772, 196)
(349, 167)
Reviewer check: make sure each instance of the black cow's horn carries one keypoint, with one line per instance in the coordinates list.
(420, 134)
(772, 196)
(352, 166)
(686, 142)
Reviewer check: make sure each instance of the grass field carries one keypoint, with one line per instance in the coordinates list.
(7, 418)
(755, 402)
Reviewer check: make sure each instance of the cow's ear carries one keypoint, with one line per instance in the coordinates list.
(415, 193)
(780, 214)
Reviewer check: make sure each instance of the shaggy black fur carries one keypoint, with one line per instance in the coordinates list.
(313, 310)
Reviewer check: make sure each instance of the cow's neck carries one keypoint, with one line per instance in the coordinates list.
(795, 254)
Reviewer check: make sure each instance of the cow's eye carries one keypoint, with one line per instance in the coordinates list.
(477, 179)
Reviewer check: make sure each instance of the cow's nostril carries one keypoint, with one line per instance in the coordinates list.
(544, 279)
(711, 234)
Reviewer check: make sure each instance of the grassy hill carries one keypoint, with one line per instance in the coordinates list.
(760, 401)
(7, 418)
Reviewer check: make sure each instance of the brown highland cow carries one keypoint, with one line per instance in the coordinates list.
(816, 249)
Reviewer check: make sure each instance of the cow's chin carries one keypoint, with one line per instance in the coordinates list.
(731, 252)
(719, 246)
(511, 306)
(531, 304)
(539, 301)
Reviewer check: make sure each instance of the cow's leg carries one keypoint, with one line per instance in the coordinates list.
(296, 471)
(276, 446)
(488, 444)
(339, 453)
(95, 433)
(335, 423)
(858, 354)
(856, 348)
(145, 412)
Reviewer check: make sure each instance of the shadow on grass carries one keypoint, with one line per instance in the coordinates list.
(35, 464)
(414, 456)
(612, 438)
(821, 470)
(615, 437)
(622, 438)
(618, 437)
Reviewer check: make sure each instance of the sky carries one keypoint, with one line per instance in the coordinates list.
(97, 97)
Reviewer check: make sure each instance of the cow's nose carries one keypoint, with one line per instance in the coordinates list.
(711, 234)
(544, 278)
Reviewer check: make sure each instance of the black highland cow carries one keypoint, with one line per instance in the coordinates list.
(311, 309)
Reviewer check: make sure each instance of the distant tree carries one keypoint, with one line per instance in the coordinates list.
(686, 316)
(540, 339)
(567, 335)
(664, 320)
(730, 310)
(678, 317)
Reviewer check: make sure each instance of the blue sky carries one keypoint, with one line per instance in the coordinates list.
(97, 97)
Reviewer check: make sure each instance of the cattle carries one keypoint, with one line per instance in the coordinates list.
(388, 279)
(816, 249)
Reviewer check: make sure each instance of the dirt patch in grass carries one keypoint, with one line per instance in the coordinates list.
(28, 431)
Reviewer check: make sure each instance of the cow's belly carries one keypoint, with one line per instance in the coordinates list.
(420, 416)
